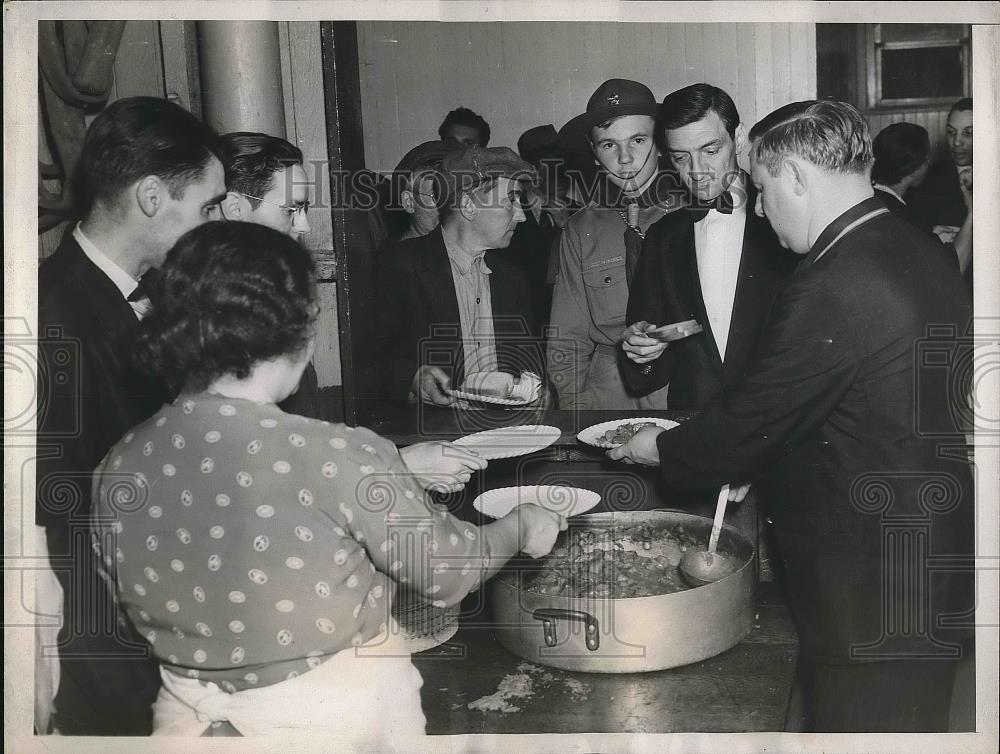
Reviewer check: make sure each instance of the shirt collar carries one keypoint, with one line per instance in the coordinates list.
(888, 190)
(122, 280)
(462, 260)
(859, 214)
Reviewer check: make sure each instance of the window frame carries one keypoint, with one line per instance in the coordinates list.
(873, 61)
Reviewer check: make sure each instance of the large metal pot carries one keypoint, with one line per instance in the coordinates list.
(629, 635)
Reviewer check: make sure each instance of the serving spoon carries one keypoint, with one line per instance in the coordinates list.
(701, 567)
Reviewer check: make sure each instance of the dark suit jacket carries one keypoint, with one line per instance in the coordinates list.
(89, 396)
(418, 322)
(89, 393)
(912, 216)
(845, 419)
(666, 289)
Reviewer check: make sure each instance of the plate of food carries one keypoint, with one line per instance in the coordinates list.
(500, 388)
(566, 501)
(676, 331)
(614, 434)
(507, 442)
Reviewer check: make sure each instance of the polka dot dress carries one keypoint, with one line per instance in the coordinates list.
(248, 545)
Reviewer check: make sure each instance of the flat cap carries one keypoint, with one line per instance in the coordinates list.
(475, 165)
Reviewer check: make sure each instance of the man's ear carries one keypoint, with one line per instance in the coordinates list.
(467, 207)
(794, 171)
(406, 199)
(232, 206)
(150, 193)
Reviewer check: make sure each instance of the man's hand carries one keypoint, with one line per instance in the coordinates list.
(965, 183)
(430, 385)
(738, 492)
(640, 348)
(640, 449)
(441, 466)
(537, 529)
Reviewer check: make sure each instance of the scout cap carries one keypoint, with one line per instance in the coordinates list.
(613, 99)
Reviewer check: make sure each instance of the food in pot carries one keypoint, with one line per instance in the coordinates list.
(624, 432)
(637, 560)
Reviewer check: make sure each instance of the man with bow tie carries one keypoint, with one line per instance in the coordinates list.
(715, 262)
(147, 173)
(601, 245)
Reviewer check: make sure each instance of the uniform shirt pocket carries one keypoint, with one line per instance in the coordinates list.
(607, 294)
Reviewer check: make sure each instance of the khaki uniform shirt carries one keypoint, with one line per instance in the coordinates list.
(588, 312)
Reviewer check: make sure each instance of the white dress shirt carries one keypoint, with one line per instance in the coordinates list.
(718, 243)
(122, 280)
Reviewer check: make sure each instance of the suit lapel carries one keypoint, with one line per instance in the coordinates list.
(112, 311)
(442, 301)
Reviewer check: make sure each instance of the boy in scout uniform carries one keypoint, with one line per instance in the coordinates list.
(600, 246)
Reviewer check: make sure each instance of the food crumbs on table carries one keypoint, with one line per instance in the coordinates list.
(514, 686)
(579, 689)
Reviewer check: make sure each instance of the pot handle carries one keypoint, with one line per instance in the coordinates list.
(548, 616)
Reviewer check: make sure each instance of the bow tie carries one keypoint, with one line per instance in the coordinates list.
(722, 203)
(145, 288)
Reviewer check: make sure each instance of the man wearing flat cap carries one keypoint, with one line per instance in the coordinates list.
(600, 247)
(449, 303)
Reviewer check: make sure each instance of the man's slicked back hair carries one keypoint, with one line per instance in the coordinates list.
(251, 160)
(137, 137)
(691, 104)
(831, 135)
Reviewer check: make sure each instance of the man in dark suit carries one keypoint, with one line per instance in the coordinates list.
(850, 431)
(716, 262)
(945, 196)
(449, 303)
(147, 173)
(902, 156)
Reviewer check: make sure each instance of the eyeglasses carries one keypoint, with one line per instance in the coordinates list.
(287, 209)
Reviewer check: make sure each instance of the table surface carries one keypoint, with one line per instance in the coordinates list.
(744, 689)
(473, 685)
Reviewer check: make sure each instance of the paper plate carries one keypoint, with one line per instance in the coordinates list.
(480, 398)
(594, 434)
(566, 501)
(466, 393)
(507, 442)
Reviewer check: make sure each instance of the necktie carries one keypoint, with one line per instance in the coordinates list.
(145, 288)
(633, 240)
(722, 203)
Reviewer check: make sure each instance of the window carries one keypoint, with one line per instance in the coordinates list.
(915, 65)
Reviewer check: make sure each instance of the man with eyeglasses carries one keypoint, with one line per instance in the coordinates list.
(266, 182)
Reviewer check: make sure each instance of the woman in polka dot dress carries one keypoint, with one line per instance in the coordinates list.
(257, 551)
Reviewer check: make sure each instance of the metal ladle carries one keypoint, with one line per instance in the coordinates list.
(705, 566)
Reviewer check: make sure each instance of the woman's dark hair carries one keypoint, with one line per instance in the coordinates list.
(691, 104)
(463, 116)
(136, 137)
(900, 149)
(229, 295)
(251, 160)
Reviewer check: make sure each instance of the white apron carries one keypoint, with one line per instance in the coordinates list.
(364, 696)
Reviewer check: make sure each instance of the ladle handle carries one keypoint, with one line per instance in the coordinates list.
(720, 514)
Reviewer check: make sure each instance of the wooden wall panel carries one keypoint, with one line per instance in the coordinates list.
(305, 126)
(518, 75)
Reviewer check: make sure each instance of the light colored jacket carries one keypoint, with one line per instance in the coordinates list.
(588, 312)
